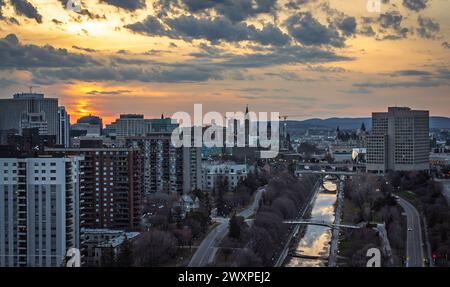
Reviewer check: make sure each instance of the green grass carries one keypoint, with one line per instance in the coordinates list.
(411, 197)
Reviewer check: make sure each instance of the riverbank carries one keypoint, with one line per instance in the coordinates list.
(313, 246)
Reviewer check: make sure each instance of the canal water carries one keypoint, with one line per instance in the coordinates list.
(316, 239)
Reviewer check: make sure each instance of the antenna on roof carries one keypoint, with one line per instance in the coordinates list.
(31, 88)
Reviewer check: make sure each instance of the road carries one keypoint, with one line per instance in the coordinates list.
(206, 252)
(414, 250)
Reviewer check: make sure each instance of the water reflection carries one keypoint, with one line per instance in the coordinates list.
(316, 239)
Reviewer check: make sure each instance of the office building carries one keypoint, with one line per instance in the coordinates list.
(399, 141)
(64, 127)
(131, 125)
(39, 204)
(28, 110)
(30, 141)
(89, 126)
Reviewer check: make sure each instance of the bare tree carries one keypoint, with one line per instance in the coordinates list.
(155, 248)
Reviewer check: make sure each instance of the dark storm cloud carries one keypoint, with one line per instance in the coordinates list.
(57, 22)
(49, 64)
(130, 5)
(411, 73)
(113, 92)
(366, 26)
(25, 8)
(124, 74)
(7, 82)
(322, 69)
(88, 50)
(426, 83)
(224, 66)
(415, 5)
(283, 56)
(91, 15)
(2, 3)
(357, 91)
(307, 30)
(150, 26)
(390, 22)
(235, 10)
(213, 30)
(14, 54)
(443, 73)
(296, 4)
(8, 20)
(128, 61)
(347, 25)
(427, 27)
(287, 76)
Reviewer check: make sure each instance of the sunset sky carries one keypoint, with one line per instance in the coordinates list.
(302, 58)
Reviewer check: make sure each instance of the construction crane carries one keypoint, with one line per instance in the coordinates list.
(285, 117)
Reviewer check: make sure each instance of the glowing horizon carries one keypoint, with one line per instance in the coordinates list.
(308, 59)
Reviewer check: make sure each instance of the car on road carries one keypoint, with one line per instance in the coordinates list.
(410, 229)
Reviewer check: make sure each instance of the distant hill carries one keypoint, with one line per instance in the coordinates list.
(439, 122)
(354, 123)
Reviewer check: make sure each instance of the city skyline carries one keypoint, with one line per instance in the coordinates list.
(302, 58)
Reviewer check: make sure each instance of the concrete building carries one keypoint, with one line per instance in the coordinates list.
(64, 127)
(111, 186)
(213, 172)
(102, 246)
(131, 125)
(399, 141)
(188, 204)
(39, 204)
(34, 121)
(89, 125)
(30, 141)
(27, 110)
(167, 169)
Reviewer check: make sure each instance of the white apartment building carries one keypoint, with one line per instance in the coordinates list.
(39, 210)
(213, 172)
